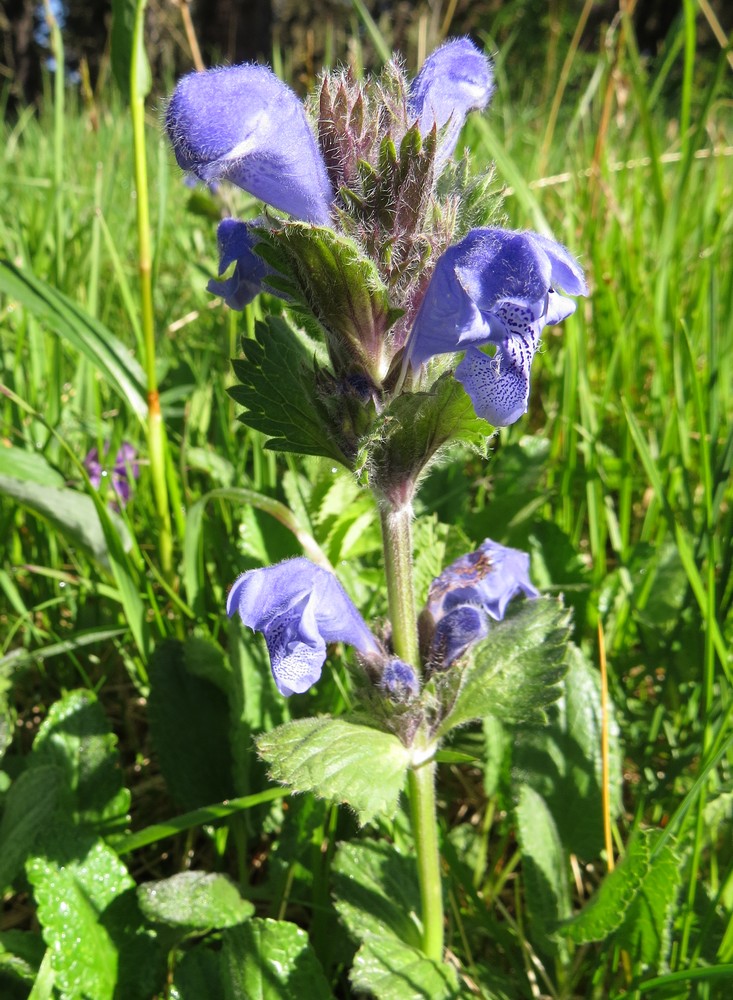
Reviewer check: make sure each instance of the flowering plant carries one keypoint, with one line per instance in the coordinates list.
(419, 321)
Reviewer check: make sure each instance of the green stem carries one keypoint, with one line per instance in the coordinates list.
(397, 545)
(156, 428)
(421, 783)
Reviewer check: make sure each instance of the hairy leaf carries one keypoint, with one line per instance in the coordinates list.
(195, 900)
(389, 969)
(414, 428)
(513, 674)
(270, 960)
(277, 386)
(75, 737)
(607, 908)
(544, 863)
(337, 759)
(562, 760)
(75, 879)
(376, 891)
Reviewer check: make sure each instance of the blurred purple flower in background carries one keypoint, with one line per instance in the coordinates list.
(299, 608)
(474, 588)
(121, 475)
(495, 287)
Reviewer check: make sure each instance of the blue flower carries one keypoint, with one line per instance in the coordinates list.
(455, 79)
(474, 588)
(399, 680)
(495, 287)
(242, 124)
(236, 244)
(299, 607)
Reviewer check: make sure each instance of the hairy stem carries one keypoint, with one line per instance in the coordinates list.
(421, 783)
(397, 544)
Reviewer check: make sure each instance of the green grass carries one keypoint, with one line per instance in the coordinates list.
(618, 481)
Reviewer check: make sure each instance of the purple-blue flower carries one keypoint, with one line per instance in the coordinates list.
(474, 588)
(236, 243)
(455, 79)
(495, 287)
(125, 469)
(242, 124)
(299, 608)
(399, 680)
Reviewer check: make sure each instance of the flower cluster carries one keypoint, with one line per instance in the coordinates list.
(370, 174)
(300, 608)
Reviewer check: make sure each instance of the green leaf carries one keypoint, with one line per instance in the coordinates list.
(562, 760)
(646, 932)
(127, 51)
(76, 738)
(339, 760)
(194, 900)
(279, 392)
(85, 334)
(389, 969)
(197, 975)
(270, 960)
(189, 723)
(29, 806)
(74, 880)
(515, 672)
(544, 863)
(21, 953)
(30, 466)
(376, 891)
(71, 513)
(414, 428)
(607, 908)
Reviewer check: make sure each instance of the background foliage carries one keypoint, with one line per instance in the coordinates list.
(135, 814)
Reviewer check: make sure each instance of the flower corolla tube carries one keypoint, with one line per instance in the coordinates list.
(499, 288)
(299, 608)
(475, 588)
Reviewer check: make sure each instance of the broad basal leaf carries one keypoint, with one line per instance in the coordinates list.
(339, 760)
(389, 969)
(189, 724)
(271, 960)
(544, 864)
(194, 900)
(76, 738)
(607, 908)
(376, 891)
(29, 807)
(562, 760)
(646, 930)
(514, 673)
(75, 879)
